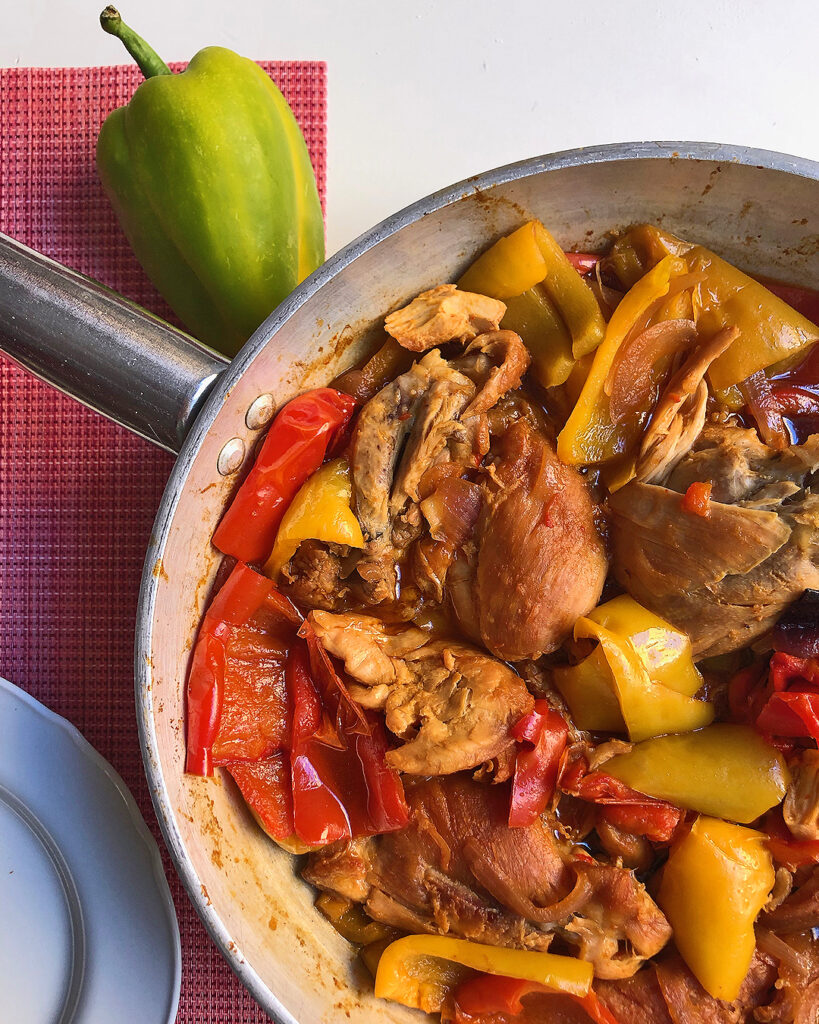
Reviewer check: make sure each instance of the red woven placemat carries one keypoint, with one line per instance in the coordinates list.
(78, 494)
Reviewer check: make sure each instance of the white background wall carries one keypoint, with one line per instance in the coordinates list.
(422, 94)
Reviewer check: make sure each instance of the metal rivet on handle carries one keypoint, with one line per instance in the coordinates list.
(231, 456)
(260, 412)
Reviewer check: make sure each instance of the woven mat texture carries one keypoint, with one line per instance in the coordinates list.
(78, 494)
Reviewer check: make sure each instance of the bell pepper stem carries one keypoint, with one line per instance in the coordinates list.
(149, 61)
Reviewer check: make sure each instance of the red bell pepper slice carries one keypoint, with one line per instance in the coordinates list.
(487, 994)
(294, 448)
(620, 805)
(791, 714)
(236, 697)
(267, 790)
(803, 300)
(583, 262)
(542, 735)
(785, 848)
(342, 784)
(319, 816)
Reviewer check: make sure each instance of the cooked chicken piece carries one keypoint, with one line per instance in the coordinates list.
(689, 1003)
(801, 806)
(738, 465)
(617, 909)
(496, 362)
(725, 579)
(419, 878)
(539, 562)
(453, 704)
(636, 1000)
(443, 314)
(315, 576)
(661, 550)
(458, 869)
(420, 407)
(680, 414)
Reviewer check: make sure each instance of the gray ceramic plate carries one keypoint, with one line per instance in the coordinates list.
(88, 931)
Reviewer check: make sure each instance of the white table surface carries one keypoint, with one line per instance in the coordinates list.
(422, 94)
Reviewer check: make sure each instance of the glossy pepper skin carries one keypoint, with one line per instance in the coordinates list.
(725, 770)
(211, 181)
(716, 881)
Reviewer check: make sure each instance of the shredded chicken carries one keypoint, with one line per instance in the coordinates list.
(680, 414)
(801, 806)
(452, 704)
(537, 562)
(443, 314)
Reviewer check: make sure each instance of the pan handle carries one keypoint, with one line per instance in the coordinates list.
(96, 347)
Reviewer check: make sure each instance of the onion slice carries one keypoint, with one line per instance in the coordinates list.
(776, 947)
(629, 382)
(756, 390)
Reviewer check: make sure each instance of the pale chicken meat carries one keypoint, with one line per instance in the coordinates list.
(725, 579)
(452, 704)
(801, 807)
(678, 420)
(538, 562)
(443, 314)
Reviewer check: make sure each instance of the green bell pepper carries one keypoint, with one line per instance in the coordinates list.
(211, 181)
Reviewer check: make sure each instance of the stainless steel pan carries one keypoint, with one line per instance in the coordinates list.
(757, 208)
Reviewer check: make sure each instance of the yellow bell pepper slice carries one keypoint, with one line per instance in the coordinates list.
(716, 881)
(510, 267)
(590, 436)
(648, 708)
(665, 651)
(575, 301)
(320, 511)
(406, 966)
(533, 316)
(728, 771)
(770, 329)
(588, 689)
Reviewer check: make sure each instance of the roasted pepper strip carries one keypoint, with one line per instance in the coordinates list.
(716, 881)
(648, 708)
(588, 689)
(231, 714)
(510, 267)
(488, 994)
(210, 178)
(320, 511)
(727, 771)
(405, 964)
(575, 301)
(267, 791)
(785, 848)
(533, 316)
(590, 436)
(294, 448)
(541, 736)
(665, 651)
